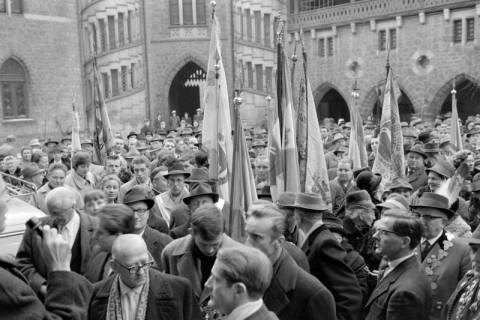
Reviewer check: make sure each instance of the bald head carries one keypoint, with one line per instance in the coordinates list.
(128, 246)
(61, 197)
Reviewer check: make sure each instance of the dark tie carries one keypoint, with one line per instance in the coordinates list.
(425, 249)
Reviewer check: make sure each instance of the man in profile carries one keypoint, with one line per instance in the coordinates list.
(240, 277)
(139, 292)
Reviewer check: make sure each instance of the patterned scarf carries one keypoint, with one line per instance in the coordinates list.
(114, 306)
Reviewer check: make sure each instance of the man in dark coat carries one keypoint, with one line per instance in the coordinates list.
(402, 292)
(68, 292)
(75, 227)
(342, 183)
(327, 257)
(293, 293)
(156, 295)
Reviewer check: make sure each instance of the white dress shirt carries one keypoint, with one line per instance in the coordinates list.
(70, 230)
(130, 298)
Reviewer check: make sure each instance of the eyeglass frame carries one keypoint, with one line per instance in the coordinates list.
(135, 269)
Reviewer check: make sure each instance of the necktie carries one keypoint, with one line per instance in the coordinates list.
(425, 249)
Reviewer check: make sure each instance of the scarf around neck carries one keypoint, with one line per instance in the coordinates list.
(114, 305)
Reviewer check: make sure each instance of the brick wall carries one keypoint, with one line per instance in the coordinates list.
(45, 40)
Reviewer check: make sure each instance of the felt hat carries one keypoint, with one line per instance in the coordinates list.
(198, 175)
(418, 150)
(139, 193)
(201, 189)
(131, 134)
(50, 140)
(286, 200)
(34, 142)
(472, 132)
(157, 137)
(337, 136)
(358, 200)
(186, 132)
(258, 143)
(395, 201)
(264, 193)
(31, 171)
(431, 147)
(87, 141)
(399, 183)
(176, 168)
(333, 223)
(310, 202)
(434, 201)
(443, 168)
(368, 181)
(415, 122)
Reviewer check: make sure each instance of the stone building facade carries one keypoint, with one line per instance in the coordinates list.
(40, 68)
(430, 44)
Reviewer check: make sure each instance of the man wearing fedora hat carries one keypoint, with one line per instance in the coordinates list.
(326, 256)
(140, 200)
(415, 168)
(444, 258)
(193, 255)
(172, 199)
(463, 303)
(401, 187)
(201, 194)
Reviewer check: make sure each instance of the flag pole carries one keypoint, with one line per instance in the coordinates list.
(237, 102)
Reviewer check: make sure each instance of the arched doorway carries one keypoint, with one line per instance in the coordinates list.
(468, 99)
(186, 91)
(332, 105)
(405, 107)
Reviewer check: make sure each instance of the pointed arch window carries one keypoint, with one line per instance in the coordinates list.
(13, 90)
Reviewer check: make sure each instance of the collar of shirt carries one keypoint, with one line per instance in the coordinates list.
(179, 198)
(394, 263)
(124, 289)
(245, 310)
(433, 240)
(313, 228)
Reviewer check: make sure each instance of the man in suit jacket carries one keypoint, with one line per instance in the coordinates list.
(75, 227)
(239, 279)
(193, 256)
(402, 291)
(444, 259)
(68, 292)
(141, 201)
(327, 257)
(293, 293)
(138, 292)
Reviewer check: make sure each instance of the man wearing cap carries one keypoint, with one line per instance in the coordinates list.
(330, 157)
(463, 303)
(444, 258)
(173, 198)
(342, 183)
(326, 256)
(416, 174)
(193, 255)
(173, 121)
(402, 290)
(140, 200)
(401, 187)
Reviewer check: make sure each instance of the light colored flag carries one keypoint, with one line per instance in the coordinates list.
(357, 150)
(291, 172)
(455, 133)
(102, 136)
(217, 129)
(313, 167)
(76, 145)
(274, 151)
(389, 161)
(243, 191)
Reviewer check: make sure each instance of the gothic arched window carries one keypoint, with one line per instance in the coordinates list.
(13, 90)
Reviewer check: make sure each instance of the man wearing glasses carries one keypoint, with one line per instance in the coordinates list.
(444, 258)
(402, 290)
(139, 292)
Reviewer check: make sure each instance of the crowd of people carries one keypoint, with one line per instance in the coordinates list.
(142, 235)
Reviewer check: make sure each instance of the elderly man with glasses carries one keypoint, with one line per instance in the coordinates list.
(137, 291)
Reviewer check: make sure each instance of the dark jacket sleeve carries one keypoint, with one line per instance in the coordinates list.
(191, 309)
(26, 263)
(68, 294)
(327, 263)
(322, 303)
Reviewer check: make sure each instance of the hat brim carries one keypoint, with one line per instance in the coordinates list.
(149, 202)
(423, 154)
(472, 240)
(177, 172)
(437, 172)
(448, 212)
(213, 195)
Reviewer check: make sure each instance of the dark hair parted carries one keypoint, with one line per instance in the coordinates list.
(406, 226)
(207, 222)
(117, 218)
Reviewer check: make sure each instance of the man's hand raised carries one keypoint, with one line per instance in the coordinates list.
(56, 251)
